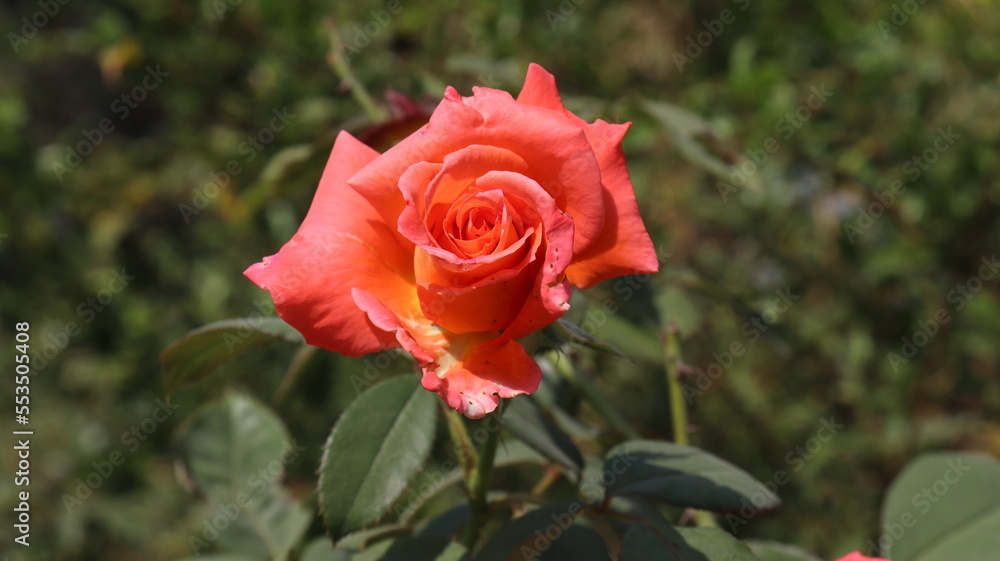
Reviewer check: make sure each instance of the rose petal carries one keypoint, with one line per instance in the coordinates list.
(549, 298)
(555, 149)
(624, 247)
(406, 335)
(540, 89)
(477, 376)
(341, 243)
(470, 376)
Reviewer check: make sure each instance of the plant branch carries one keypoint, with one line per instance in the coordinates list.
(479, 483)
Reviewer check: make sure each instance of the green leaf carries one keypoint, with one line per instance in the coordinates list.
(268, 527)
(683, 476)
(360, 539)
(691, 134)
(716, 545)
(578, 543)
(284, 162)
(943, 507)
(766, 550)
(321, 549)
(454, 552)
(573, 333)
(526, 421)
(221, 557)
(688, 130)
(633, 339)
(662, 542)
(430, 486)
(448, 523)
(278, 170)
(226, 444)
(376, 447)
(413, 549)
(202, 350)
(512, 453)
(532, 533)
(234, 451)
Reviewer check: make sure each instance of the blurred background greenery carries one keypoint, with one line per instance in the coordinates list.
(704, 88)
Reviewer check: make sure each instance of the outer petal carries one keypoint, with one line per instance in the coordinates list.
(470, 376)
(540, 89)
(411, 337)
(624, 247)
(341, 243)
(476, 380)
(555, 149)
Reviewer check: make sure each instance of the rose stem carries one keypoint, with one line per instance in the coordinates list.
(479, 482)
(678, 410)
(464, 448)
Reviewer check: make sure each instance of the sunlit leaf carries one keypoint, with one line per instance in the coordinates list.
(235, 452)
(943, 507)
(376, 447)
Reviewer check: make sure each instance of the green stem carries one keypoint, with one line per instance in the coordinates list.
(678, 408)
(464, 449)
(339, 64)
(479, 484)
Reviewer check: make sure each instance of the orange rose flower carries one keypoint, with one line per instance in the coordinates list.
(462, 238)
